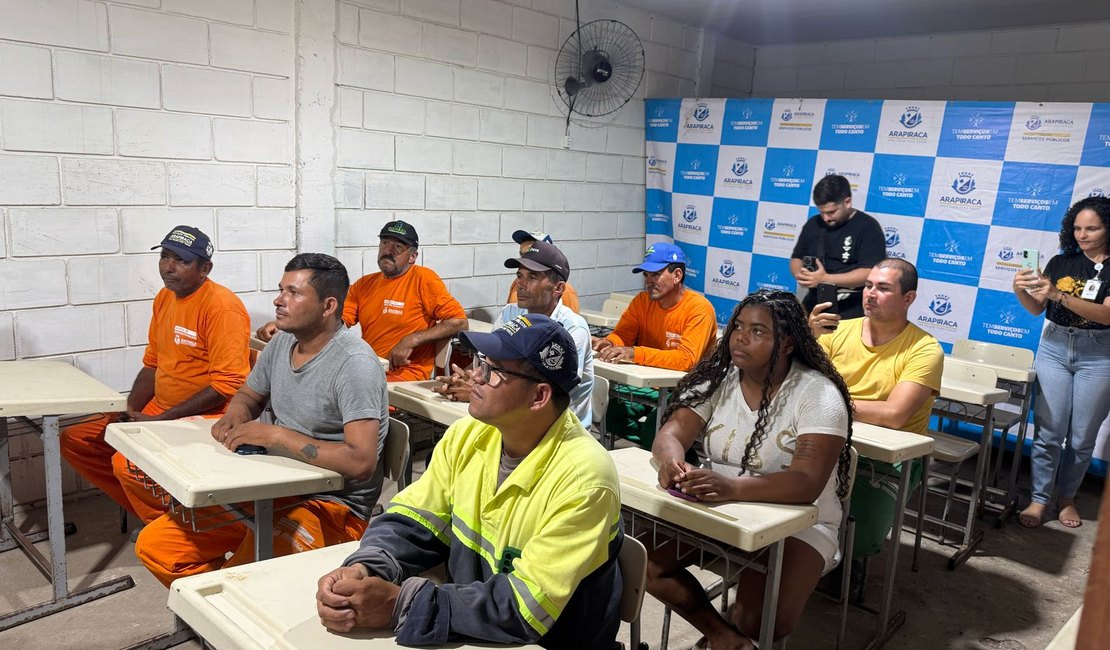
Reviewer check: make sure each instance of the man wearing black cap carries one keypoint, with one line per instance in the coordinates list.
(521, 503)
(403, 310)
(541, 278)
(197, 356)
(525, 239)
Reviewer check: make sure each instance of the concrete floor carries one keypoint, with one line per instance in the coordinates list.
(1015, 594)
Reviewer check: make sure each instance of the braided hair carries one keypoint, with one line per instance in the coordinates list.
(788, 319)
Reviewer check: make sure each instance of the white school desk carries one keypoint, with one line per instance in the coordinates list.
(272, 604)
(630, 374)
(599, 319)
(1019, 382)
(186, 463)
(892, 446)
(48, 389)
(417, 398)
(717, 527)
(986, 398)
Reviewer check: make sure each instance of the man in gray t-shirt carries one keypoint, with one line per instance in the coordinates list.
(317, 393)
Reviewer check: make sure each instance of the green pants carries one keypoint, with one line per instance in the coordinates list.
(874, 498)
(631, 414)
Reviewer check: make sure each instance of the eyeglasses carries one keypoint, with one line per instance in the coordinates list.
(485, 371)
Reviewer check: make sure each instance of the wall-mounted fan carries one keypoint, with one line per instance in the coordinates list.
(599, 68)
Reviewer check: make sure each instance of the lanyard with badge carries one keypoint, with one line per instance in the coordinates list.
(1090, 289)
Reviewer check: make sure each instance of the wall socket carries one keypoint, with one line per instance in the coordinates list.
(566, 141)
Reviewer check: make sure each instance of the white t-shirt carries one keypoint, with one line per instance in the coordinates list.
(806, 403)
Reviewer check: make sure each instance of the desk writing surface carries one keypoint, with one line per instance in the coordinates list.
(601, 319)
(888, 445)
(1008, 373)
(637, 376)
(36, 388)
(747, 526)
(182, 457)
(416, 397)
(972, 394)
(271, 604)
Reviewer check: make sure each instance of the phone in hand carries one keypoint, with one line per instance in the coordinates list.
(827, 293)
(1031, 259)
(250, 450)
(682, 495)
(809, 262)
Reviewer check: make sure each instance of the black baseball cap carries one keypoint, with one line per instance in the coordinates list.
(188, 242)
(542, 256)
(543, 343)
(401, 230)
(522, 236)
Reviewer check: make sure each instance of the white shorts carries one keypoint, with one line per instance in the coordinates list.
(824, 539)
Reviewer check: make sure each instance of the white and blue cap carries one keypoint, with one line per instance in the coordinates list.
(659, 256)
(521, 236)
(535, 338)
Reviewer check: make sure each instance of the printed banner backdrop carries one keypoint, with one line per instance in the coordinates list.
(960, 189)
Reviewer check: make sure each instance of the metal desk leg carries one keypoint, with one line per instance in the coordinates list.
(664, 393)
(180, 634)
(1019, 452)
(263, 529)
(771, 594)
(62, 599)
(888, 624)
(924, 488)
(973, 537)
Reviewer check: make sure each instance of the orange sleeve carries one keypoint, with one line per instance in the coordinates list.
(228, 335)
(570, 298)
(627, 331)
(696, 324)
(439, 304)
(350, 305)
(511, 300)
(150, 355)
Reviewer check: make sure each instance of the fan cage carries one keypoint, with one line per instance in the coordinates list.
(613, 41)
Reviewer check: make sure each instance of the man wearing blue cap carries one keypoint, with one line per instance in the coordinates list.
(520, 502)
(666, 325)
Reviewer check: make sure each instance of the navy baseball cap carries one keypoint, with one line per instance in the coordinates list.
(658, 256)
(522, 236)
(402, 231)
(535, 338)
(188, 242)
(542, 256)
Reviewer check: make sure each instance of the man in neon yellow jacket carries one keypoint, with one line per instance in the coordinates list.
(520, 502)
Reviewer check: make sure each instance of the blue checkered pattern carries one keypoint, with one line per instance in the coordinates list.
(960, 189)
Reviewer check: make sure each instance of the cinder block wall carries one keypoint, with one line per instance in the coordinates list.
(285, 125)
(1057, 63)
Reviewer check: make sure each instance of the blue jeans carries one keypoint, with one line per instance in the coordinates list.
(1073, 399)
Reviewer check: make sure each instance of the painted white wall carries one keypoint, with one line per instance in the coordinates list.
(279, 126)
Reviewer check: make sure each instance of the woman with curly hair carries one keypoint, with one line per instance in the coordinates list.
(775, 418)
(1073, 360)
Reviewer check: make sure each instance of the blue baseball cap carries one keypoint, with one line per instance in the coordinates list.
(658, 256)
(543, 343)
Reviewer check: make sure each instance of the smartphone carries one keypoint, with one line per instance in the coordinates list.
(809, 262)
(1031, 259)
(827, 293)
(250, 450)
(682, 495)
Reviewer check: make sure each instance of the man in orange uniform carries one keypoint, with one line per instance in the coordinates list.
(525, 239)
(666, 325)
(403, 310)
(197, 357)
